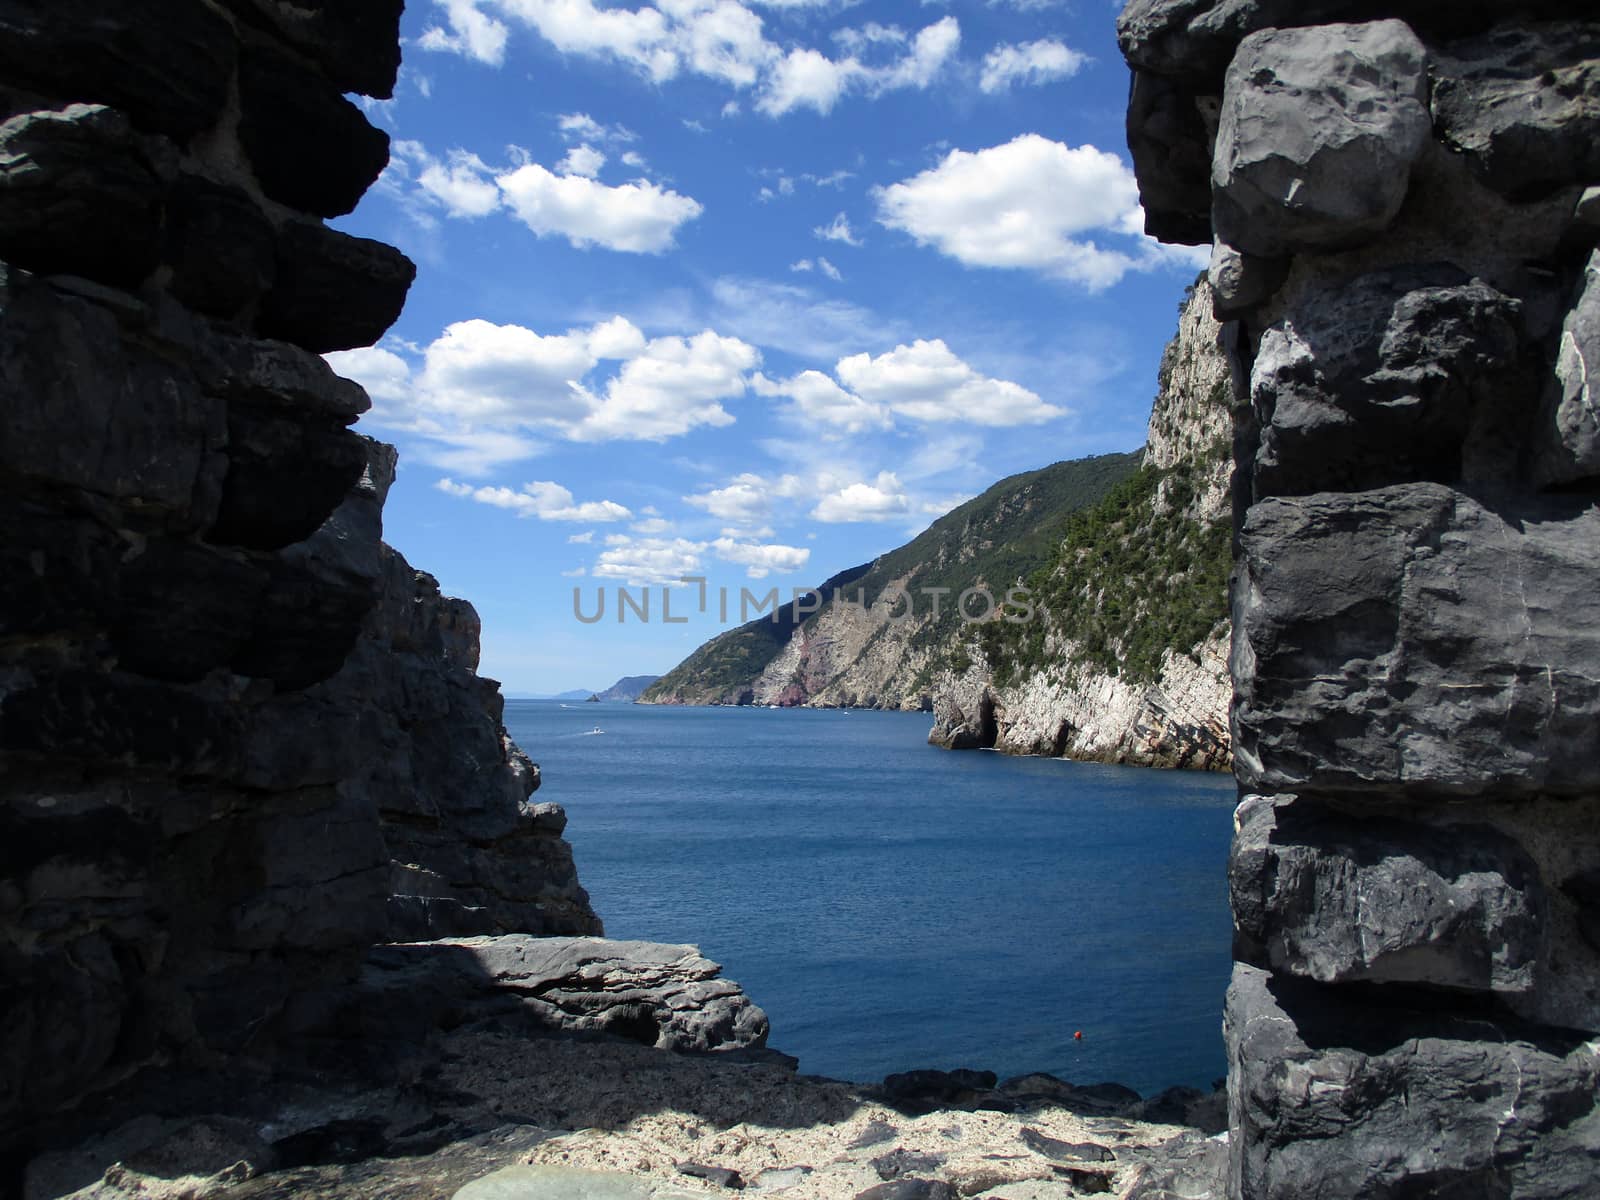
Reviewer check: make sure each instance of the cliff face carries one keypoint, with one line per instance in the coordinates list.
(889, 628)
(1405, 220)
(241, 739)
(1123, 656)
(1126, 662)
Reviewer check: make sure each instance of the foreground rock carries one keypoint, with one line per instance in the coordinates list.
(506, 1116)
(1405, 248)
(241, 739)
(665, 996)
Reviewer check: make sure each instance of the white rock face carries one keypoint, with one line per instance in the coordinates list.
(850, 656)
(1075, 710)
(1081, 713)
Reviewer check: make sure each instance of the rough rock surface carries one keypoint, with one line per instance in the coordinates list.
(505, 1114)
(1571, 446)
(1079, 712)
(1076, 709)
(1414, 877)
(1059, 703)
(242, 740)
(1318, 133)
(1523, 104)
(665, 996)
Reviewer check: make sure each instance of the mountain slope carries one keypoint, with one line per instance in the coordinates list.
(1129, 663)
(1118, 653)
(849, 652)
(628, 688)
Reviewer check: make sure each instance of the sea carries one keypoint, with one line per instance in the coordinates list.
(894, 906)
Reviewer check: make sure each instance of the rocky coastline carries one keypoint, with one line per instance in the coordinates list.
(1070, 706)
(1063, 702)
(279, 914)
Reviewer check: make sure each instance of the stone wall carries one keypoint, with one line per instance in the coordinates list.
(241, 740)
(1403, 205)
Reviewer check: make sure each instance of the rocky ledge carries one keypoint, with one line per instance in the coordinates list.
(504, 1113)
(242, 740)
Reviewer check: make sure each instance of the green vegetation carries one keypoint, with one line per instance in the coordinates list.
(997, 539)
(733, 660)
(1133, 576)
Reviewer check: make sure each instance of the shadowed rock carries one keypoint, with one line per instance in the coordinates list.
(1523, 104)
(1343, 899)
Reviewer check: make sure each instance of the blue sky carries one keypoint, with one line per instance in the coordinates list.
(747, 290)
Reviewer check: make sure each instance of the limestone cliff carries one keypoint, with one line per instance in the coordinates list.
(1126, 659)
(1117, 654)
(241, 739)
(1401, 200)
(884, 631)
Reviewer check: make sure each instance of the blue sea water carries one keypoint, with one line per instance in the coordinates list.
(892, 905)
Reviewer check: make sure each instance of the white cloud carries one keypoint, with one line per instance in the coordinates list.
(724, 41)
(581, 127)
(647, 561)
(1029, 64)
(638, 217)
(805, 264)
(838, 230)
(931, 49)
(805, 78)
(643, 562)
(672, 386)
(460, 184)
(761, 560)
(638, 37)
(819, 401)
(828, 269)
(652, 525)
(745, 500)
(582, 539)
(869, 36)
(582, 160)
(576, 572)
(543, 499)
(1029, 204)
(798, 320)
(720, 40)
(385, 375)
(784, 187)
(482, 373)
(937, 508)
(472, 33)
(881, 500)
(926, 382)
(472, 451)
(479, 389)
